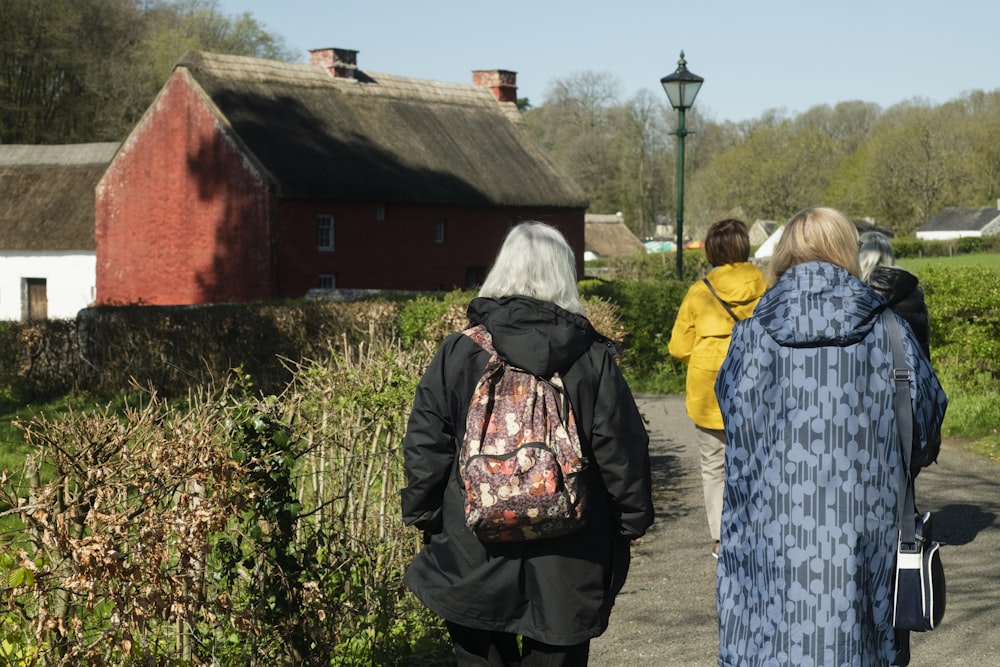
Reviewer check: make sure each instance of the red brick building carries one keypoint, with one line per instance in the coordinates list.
(251, 179)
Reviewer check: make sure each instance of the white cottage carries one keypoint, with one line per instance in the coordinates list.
(955, 223)
(47, 248)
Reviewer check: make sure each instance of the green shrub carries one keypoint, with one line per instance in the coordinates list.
(964, 308)
(968, 245)
(646, 310)
(908, 247)
(425, 313)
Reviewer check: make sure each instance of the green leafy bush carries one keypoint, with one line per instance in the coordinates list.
(421, 317)
(646, 311)
(964, 308)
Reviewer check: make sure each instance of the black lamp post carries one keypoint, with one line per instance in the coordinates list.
(682, 87)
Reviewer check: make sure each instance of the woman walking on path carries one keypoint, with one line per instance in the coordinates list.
(813, 467)
(896, 285)
(555, 593)
(700, 338)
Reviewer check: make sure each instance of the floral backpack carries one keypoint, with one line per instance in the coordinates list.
(521, 460)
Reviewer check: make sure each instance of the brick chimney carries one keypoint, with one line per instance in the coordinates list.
(340, 63)
(502, 83)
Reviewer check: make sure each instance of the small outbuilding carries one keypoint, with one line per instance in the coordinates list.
(607, 235)
(954, 223)
(47, 249)
(760, 231)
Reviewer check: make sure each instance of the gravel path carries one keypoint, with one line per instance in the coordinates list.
(665, 615)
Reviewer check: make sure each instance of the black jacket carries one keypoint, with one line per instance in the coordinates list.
(558, 591)
(901, 289)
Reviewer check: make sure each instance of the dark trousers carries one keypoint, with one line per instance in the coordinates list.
(499, 649)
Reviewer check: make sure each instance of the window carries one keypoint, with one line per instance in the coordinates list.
(324, 232)
(380, 211)
(474, 276)
(439, 231)
(328, 281)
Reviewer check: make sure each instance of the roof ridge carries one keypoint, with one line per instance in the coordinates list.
(57, 155)
(262, 70)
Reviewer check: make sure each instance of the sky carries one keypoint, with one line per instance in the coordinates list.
(756, 56)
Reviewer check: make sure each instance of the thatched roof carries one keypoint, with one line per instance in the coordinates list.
(379, 137)
(608, 236)
(47, 195)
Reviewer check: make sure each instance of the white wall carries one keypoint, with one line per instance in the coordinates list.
(944, 236)
(69, 276)
(766, 248)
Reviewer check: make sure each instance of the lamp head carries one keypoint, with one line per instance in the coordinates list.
(682, 86)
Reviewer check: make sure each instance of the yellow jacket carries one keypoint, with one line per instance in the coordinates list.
(700, 337)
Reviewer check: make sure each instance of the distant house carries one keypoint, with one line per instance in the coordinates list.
(953, 223)
(766, 248)
(251, 179)
(47, 252)
(608, 236)
(760, 231)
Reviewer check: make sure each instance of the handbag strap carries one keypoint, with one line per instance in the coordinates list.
(724, 304)
(901, 375)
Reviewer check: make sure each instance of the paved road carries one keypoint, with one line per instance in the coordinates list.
(665, 615)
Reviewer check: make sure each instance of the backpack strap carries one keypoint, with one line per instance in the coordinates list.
(901, 375)
(724, 304)
(483, 338)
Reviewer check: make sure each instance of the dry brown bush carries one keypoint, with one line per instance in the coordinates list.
(227, 529)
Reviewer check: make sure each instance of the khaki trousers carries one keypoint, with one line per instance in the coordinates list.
(712, 446)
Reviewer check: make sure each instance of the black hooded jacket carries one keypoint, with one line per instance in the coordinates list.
(901, 289)
(560, 590)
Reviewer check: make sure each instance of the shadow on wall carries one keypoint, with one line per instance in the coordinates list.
(308, 161)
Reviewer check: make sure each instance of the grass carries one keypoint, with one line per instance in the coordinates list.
(13, 449)
(988, 447)
(976, 416)
(916, 264)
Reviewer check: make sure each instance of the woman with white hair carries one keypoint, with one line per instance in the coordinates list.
(896, 285)
(555, 594)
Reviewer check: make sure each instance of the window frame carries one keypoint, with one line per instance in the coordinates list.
(320, 245)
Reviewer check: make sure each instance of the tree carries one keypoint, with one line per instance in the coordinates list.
(776, 172)
(912, 167)
(847, 123)
(642, 148)
(85, 70)
(60, 67)
(579, 125)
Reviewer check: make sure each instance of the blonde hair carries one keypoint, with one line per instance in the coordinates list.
(816, 235)
(535, 260)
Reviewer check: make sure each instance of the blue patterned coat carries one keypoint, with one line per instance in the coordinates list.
(811, 507)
